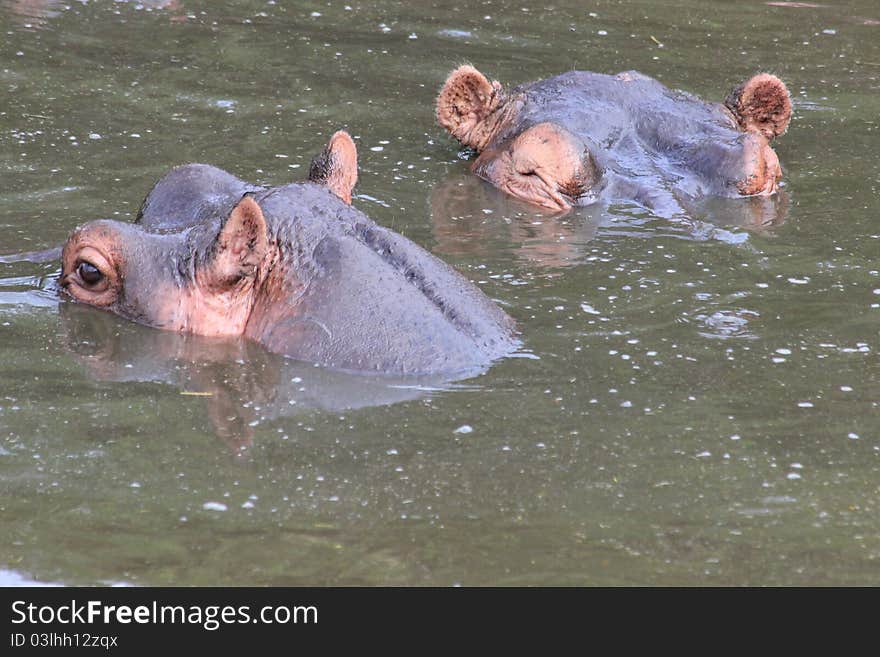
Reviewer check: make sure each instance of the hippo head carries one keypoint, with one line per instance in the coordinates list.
(545, 164)
(200, 280)
(551, 142)
(204, 277)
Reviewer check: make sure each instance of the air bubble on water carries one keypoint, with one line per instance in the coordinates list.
(805, 404)
(214, 506)
(852, 436)
(247, 505)
(391, 452)
(464, 428)
(135, 484)
(792, 475)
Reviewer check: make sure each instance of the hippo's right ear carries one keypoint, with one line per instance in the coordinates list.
(466, 99)
(241, 245)
(761, 104)
(336, 166)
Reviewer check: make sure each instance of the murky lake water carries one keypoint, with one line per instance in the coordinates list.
(699, 400)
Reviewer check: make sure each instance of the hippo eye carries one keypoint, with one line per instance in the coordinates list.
(89, 274)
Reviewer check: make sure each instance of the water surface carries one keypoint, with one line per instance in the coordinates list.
(700, 404)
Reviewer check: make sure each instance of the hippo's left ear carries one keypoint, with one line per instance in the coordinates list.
(761, 104)
(240, 246)
(336, 166)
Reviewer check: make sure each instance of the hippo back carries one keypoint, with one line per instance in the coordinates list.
(606, 109)
(362, 297)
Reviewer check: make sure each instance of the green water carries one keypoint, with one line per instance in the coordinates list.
(698, 404)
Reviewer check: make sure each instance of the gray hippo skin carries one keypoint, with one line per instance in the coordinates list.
(581, 136)
(295, 268)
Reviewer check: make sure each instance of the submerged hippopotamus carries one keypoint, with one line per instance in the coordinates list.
(580, 136)
(295, 268)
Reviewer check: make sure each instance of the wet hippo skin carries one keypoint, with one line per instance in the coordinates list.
(575, 138)
(295, 268)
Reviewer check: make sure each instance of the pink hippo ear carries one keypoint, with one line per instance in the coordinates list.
(241, 245)
(336, 166)
(465, 101)
(761, 104)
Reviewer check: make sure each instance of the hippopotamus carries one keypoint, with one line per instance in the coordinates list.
(295, 268)
(579, 137)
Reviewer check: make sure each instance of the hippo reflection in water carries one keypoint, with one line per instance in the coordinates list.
(239, 383)
(580, 136)
(295, 268)
(470, 219)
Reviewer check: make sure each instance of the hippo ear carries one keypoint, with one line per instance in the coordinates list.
(336, 166)
(761, 104)
(465, 101)
(241, 245)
